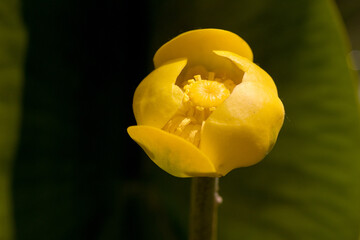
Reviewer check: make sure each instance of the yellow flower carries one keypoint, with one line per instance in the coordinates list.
(206, 108)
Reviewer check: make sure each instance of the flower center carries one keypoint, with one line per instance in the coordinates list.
(201, 98)
(205, 93)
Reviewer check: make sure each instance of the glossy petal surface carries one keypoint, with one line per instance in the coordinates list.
(245, 127)
(239, 133)
(254, 73)
(198, 45)
(172, 153)
(157, 97)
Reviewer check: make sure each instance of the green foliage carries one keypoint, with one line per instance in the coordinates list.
(77, 175)
(12, 43)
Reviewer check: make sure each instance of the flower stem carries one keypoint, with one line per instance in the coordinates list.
(203, 208)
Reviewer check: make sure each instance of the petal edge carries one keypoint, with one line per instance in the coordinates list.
(202, 42)
(157, 98)
(242, 130)
(172, 153)
(252, 72)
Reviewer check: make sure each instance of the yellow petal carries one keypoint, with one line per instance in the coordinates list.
(172, 153)
(157, 98)
(242, 130)
(253, 73)
(198, 45)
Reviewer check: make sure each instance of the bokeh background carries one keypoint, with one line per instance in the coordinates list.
(68, 170)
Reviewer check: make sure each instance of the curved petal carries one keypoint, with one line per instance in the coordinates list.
(157, 98)
(242, 130)
(173, 154)
(252, 72)
(198, 45)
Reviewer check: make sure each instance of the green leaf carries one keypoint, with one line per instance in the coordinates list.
(308, 186)
(12, 43)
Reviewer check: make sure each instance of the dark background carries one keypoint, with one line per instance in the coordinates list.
(77, 174)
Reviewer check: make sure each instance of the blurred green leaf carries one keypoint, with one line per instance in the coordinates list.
(12, 43)
(308, 187)
(350, 12)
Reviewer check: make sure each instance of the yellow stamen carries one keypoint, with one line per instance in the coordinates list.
(211, 76)
(205, 93)
(201, 98)
(197, 78)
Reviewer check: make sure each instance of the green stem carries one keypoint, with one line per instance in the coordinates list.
(203, 208)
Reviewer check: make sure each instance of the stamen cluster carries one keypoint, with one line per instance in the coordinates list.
(201, 98)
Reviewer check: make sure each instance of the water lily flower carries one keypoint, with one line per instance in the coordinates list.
(206, 109)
